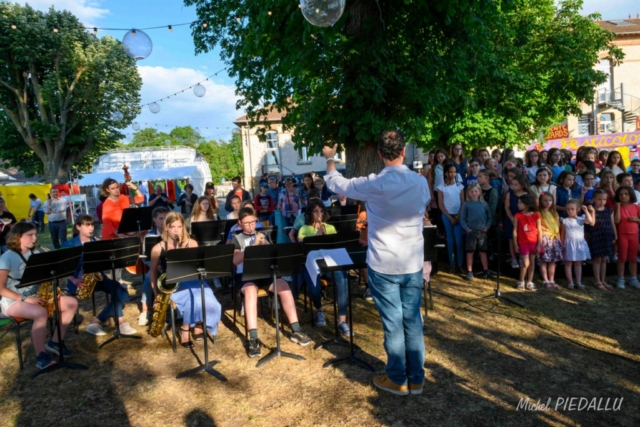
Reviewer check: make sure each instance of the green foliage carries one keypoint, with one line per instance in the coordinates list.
(224, 158)
(60, 90)
(480, 71)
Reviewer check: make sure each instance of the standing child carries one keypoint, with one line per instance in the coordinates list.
(472, 170)
(489, 194)
(554, 159)
(586, 194)
(527, 233)
(519, 187)
(615, 162)
(608, 185)
(475, 219)
(450, 198)
(567, 190)
(576, 249)
(542, 184)
(602, 237)
(264, 203)
(627, 217)
(635, 170)
(551, 245)
(531, 163)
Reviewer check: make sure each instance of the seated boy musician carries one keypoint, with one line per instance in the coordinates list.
(83, 232)
(146, 301)
(249, 237)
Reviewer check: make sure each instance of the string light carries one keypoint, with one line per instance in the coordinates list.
(13, 26)
(170, 29)
(133, 32)
(204, 24)
(55, 29)
(95, 31)
(180, 91)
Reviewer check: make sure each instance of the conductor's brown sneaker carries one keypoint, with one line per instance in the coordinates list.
(384, 383)
(415, 388)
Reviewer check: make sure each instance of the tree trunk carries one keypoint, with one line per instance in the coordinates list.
(362, 161)
(55, 172)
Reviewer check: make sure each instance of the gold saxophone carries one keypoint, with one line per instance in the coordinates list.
(90, 280)
(46, 290)
(161, 304)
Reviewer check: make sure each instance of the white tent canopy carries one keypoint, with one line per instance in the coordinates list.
(152, 164)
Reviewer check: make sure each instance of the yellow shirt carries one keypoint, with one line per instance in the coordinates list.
(309, 230)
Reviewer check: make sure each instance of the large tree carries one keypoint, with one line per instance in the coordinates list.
(61, 90)
(436, 70)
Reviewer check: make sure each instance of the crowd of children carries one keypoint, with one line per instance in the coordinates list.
(552, 207)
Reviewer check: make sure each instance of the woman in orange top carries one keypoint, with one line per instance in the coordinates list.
(113, 206)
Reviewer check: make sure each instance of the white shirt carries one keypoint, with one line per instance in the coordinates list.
(57, 209)
(396, 201)
(451, 197)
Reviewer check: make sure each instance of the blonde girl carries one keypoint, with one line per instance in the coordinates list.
(576, 249)
(551, 245)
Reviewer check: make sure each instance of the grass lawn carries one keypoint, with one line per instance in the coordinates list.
(482, 358)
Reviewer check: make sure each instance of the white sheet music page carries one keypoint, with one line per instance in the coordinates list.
(333, 258)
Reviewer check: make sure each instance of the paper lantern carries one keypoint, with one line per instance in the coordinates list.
(137, 44)
(199, 90)
(322, 13)
(154, 108)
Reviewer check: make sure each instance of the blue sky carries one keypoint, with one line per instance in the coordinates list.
(173, 65)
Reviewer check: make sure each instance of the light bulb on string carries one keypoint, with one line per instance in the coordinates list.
(154, 108)
(55, 29)
(95, 31)
(137, 44)
(199, 90)
(269, 12)
(170, 29)
(322, 13)
(13, 26)
(204, 24)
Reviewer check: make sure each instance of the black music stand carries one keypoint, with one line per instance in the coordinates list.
(194, 263)
(343, 223)
(134, 220)
(209, 232)
(332, 241)
(149, 243)
(49, 267)
(271, 261)
(111, 254)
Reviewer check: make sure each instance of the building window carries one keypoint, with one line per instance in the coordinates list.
(273, 148)
(608, 123)
(584, 125)
(303, 155)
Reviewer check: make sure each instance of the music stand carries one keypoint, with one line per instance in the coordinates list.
(333, 241)
(49, 267)
(134, 220)
(209, 232)
(111, 254)
(343, 223)
(271, 261)
(194, 263)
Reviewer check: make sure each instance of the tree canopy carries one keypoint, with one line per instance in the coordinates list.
(481, 71)
(59, 91)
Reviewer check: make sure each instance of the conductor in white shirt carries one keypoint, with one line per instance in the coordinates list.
(396, 201)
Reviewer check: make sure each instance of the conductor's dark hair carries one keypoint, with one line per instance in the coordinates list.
(391, 144)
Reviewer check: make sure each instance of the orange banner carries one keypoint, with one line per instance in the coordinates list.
(557, 132)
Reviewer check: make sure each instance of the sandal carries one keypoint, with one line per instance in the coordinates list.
(570, 286)
(547, 284)
(580, 286)
(608, 286)
(188, 344)
(555, 285)
(197, 337)
(601, 286)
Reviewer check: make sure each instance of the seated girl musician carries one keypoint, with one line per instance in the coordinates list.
(83, 233)
(187, 297)
(23, 302)
(315, 225)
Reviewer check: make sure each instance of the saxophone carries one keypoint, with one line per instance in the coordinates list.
(161, 304)
(90, 280)
(46, 290)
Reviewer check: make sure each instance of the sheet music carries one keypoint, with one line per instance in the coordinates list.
(333, 258)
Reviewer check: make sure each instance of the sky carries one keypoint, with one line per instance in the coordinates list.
(174, 66)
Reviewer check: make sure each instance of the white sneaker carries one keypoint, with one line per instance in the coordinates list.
(126, 329)
(143, 319)
(620, 283)
(634, 283)
(95, 329)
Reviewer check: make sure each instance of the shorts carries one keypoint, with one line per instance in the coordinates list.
(527, 248)
(476, 240)
(4, 305)
(260, 283)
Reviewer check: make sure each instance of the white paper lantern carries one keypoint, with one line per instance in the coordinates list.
(322, 13)
(167, 141)
(154, 108)
(117, 116)
(199, 90)
(135, 126)
(137, 44)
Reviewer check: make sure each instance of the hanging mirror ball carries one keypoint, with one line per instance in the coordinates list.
(135, 126)
(322, 13)
(199, 90)
(196, 131)
(137, 44)
(117, 116)
(154, 108)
